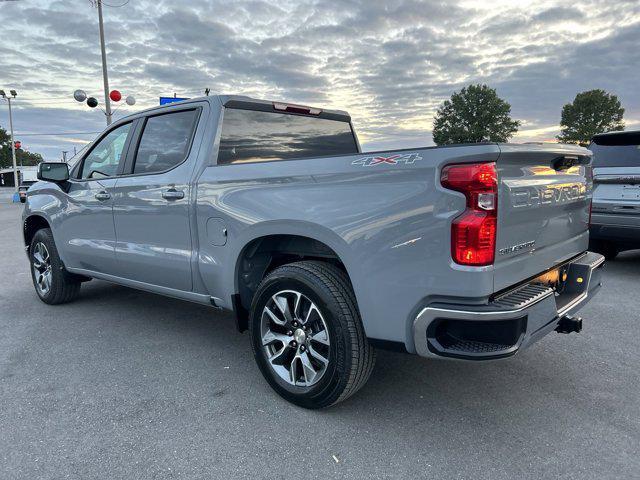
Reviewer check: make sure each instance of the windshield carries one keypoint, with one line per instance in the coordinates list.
(615, 155)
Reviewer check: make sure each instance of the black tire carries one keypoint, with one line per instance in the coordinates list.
(609, 249)
(64, 286)
(23, 200)
(350, 356)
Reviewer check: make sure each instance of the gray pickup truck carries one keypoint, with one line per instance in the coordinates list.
(323, 252)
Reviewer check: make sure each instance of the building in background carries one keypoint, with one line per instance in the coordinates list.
(25, 174)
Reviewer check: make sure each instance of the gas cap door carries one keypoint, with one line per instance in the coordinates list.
(216, 232)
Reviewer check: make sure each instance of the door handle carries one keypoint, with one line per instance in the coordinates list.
(103, 195)
(172, 194)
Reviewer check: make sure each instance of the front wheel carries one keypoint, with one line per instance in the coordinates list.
(307, 335)
(53, 284)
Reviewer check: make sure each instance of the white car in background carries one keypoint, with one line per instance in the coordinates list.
(29, 177)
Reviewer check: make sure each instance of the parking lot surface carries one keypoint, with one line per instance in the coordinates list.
(125, 384)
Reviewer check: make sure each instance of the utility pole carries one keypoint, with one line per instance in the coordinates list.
(105, 78)
(13, 143)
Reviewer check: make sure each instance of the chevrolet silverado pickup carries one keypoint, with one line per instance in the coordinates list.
(324, 253)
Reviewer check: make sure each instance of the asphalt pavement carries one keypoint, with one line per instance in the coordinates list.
(6, 194)
(128, 385)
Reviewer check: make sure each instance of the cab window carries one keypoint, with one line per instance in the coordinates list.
(256, 136)
(165, 141)
(104, 158)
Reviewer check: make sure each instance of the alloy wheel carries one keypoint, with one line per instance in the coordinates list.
(295, 338)
(41, 262)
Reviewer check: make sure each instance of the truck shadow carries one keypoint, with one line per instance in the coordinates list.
(406, 396)
(630, 257)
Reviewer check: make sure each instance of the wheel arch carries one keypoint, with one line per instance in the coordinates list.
(261, 254)
(31, 225)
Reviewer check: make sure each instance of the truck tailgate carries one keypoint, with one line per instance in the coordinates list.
(544, 198)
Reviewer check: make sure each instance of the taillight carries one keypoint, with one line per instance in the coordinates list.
(473, 233)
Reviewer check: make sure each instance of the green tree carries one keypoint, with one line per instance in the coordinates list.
(23, 157)
(591, 112)
(474, 114)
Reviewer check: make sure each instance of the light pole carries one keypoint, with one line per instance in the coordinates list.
(105, 78)
(13, 145)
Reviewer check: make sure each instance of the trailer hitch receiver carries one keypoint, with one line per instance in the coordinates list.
(569, 324)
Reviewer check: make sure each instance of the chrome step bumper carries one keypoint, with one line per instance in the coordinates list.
(510, 322)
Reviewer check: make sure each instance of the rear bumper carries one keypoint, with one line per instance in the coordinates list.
(510, 322)
(622, 226)
(616, 233)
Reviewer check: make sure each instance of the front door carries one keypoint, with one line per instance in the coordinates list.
(87, 229)
(152, 207)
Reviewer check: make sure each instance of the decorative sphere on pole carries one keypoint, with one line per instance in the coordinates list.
(115, 96)
(80, 95)
(92, 102)
(130, 100)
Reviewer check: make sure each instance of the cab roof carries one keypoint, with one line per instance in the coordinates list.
(249, 103)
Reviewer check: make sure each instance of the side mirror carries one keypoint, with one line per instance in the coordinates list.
(56, 172)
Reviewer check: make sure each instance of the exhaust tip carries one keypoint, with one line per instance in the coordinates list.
(569, 324)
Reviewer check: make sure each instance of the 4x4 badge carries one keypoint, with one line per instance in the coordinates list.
(406, 158)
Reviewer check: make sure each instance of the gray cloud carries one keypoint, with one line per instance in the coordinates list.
(389, 63)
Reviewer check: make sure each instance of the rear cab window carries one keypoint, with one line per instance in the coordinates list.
(261, 136)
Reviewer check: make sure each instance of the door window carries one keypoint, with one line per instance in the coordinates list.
(165, 141)
(104, 158)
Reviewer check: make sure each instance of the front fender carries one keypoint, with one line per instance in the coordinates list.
(44, 200)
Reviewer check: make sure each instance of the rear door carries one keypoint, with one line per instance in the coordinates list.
(543, 209)
(152, 201)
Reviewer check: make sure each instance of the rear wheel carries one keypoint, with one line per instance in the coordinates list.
(307, 335)
(53, 284)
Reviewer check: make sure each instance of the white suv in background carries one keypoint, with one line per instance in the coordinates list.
(615, 220)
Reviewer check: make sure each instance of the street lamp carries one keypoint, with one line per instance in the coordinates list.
(8, 98)
(103, 51)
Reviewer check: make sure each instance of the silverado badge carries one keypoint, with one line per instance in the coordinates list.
(517, 248)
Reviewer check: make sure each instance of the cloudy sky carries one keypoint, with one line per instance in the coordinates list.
(389, 63)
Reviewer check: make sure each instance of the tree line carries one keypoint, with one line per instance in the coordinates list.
(477, 114)
(23, 157)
